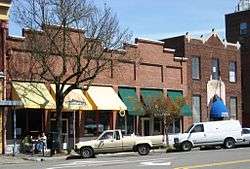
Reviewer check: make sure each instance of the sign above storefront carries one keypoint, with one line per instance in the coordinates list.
(10, 103)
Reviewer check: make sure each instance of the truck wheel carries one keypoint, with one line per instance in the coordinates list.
(186, 146)
(229, 143)
(87, 152)
(143, 149)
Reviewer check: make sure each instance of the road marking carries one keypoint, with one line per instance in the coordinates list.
(89, 163)
(156, 164)
(214, 164)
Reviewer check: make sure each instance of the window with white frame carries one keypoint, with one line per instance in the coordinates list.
(196, 108)
(215, 69)
(233, 107)
(232, 72)
(195, 68)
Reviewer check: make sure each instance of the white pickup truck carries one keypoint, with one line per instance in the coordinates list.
(112, 141)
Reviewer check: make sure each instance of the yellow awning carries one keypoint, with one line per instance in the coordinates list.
(75, 100)
(33, 95)
(105, 98)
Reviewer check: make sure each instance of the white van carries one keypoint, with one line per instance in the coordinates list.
(226, 133)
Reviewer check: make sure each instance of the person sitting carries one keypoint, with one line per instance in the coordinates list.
(44, 140)
(26, 145)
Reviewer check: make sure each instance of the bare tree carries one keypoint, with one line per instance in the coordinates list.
(70, 42)
(166, 109)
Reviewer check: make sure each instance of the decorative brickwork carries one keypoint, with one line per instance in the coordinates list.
(207, 48)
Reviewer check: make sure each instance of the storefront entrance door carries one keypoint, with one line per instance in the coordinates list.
(145, 126)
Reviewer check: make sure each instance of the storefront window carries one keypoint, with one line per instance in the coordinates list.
(157, 126)
(174, 127)
(196, 108)
(92, 127)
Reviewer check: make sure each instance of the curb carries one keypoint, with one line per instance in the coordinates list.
(43, 158)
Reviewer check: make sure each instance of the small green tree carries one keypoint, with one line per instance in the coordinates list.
(166, 109)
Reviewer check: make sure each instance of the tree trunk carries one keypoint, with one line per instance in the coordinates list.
(59, 107)
(59, 127)
(166, 126)
(166, 135)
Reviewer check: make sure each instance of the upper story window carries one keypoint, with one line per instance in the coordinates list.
(243, 28)
(215, 69)
(232, 72)
(195, 68)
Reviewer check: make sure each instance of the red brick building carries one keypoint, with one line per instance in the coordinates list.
(238, 30)
(156, 71)
(214, 67)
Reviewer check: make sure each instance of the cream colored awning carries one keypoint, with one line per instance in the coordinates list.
(75, 100)
(105, 98)
(33, 95)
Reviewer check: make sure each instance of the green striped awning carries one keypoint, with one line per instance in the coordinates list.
(149, 94)
(129, 97)
(174, 94)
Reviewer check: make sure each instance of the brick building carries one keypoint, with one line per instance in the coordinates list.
(238, 30)
(157, 71)
(214, 67)
(4, 7)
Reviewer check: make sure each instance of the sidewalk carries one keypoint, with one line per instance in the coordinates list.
(8, 159)
(24, 158)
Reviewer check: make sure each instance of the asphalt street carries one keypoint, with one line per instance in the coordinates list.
(238, 158)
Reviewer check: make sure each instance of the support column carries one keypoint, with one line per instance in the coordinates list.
(114, 119)
(137, 124)
(27, 121)
(80, 126)
(46, 122)
(97, 121)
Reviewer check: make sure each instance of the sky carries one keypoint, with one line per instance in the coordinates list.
(158, 19)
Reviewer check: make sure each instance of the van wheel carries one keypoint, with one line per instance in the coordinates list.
(143, 149)
(186, 146)
(229, 143)
(87, 152)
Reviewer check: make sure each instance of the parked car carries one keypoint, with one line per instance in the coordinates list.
(112, 141)
(246, 136)
(225, 133)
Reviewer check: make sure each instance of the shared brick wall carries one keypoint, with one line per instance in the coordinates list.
(1, 130)
(154, 66)
(207, 49)
(233, 21)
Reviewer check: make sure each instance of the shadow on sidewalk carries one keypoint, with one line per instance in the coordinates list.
(73, 157)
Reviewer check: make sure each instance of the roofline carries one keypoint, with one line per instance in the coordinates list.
(149, 41)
